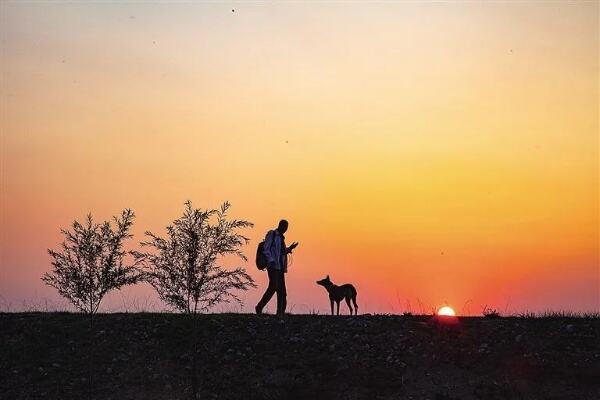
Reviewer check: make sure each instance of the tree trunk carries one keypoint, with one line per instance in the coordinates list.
(91, 358)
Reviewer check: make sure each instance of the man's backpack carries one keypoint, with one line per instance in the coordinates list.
(261, 259)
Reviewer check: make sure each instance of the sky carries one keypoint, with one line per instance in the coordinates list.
(428, 153)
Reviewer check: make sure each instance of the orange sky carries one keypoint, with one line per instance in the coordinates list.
(430, 152)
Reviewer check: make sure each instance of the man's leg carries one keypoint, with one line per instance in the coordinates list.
(281, 294)
(269, 292)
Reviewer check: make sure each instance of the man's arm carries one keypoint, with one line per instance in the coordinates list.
(291, 247)
(267, 248)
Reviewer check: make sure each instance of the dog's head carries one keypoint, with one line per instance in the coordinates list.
(324, 282)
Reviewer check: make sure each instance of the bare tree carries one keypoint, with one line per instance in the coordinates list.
(185, 267)
(91, 262)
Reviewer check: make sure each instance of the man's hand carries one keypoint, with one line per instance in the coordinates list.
(292, 247)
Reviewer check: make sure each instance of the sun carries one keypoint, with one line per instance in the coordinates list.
(446, 311)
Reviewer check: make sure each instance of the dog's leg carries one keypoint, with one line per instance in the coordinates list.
(355, 305)
(331, 306)
(338, 307)
(349, 305)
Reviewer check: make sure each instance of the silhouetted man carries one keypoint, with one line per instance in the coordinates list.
(276, 254)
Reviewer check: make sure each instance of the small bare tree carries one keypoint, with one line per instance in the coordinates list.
(91, 262)
(185, 267)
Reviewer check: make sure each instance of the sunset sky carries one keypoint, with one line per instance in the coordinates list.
(428, 153)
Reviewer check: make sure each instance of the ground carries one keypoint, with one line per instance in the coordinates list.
(147, 356)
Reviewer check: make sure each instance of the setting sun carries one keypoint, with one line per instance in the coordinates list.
(446, 311)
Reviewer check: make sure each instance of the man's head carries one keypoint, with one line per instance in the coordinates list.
(283, 226)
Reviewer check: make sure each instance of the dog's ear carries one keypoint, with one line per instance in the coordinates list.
(327, 277)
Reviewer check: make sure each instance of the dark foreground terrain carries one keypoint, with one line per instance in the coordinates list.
(146, 356)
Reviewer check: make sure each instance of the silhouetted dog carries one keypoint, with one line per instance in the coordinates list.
(337, 293)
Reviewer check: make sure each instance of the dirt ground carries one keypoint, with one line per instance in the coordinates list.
(147, 356)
